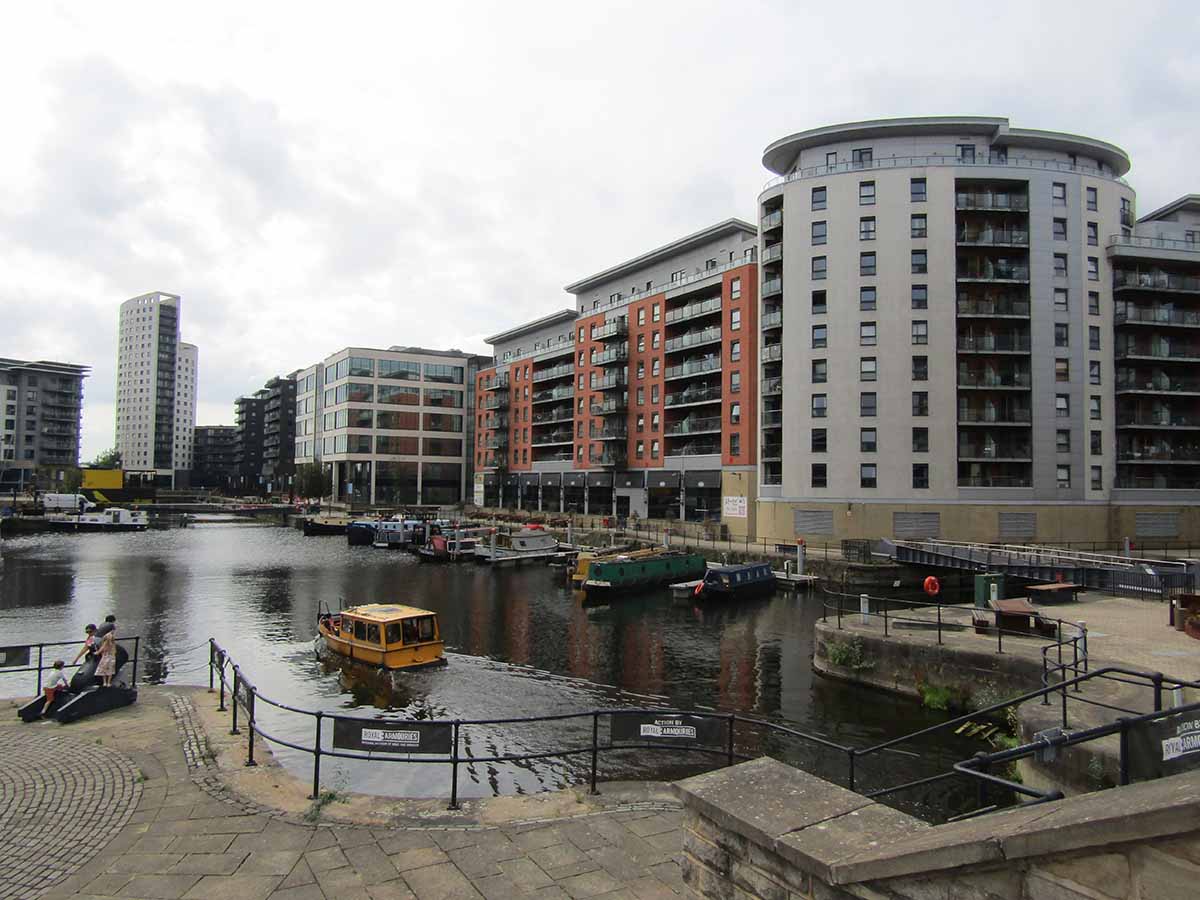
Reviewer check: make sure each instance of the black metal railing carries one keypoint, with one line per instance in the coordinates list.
(26, 652)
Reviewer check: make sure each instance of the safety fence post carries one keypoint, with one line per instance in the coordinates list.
(316, 790)
(39, 671)
(211, 654)
(233, 700)
(1123, 765)
(221, 675)
(250, 695)
(729, 747)
(595, 751)
(454, 769)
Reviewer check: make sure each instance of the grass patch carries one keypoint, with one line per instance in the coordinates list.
(936, 696)
(849, 655)
(324, 799)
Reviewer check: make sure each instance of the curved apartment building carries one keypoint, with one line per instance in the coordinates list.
(966, 334)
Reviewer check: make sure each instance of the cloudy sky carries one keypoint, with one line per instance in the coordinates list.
(309, 177)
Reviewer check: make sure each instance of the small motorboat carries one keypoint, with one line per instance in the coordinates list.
(112, 519)
(400, 534)
(387, 635)
(531, 544)
(736, 581)
(452, 545)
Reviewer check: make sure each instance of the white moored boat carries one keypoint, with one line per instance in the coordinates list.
(114, 519)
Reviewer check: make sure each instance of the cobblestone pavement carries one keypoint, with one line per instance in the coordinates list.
(190, 838)
(61, 800)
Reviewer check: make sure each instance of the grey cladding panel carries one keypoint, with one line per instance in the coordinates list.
(814, 521)
(1157, 524)
(916, 524)
(1017, 526)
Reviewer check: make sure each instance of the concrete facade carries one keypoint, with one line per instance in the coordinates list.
(41, 403)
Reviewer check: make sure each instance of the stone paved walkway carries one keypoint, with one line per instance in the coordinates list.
(189, 838)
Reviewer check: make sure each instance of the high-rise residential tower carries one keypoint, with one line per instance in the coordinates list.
(41, 404)
(156, 389)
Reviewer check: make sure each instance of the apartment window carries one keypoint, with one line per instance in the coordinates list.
(735, 413)
(1062, 406)
(678, 276)
(1094, 408)
(641, 422)
(818, 268)
(735, 320)
(861, 157)
(866, 228)
(735, 383)
(998, 156)
(820, 440)
(1097, 478)
(1094, 371)
(820, 232)
(818, 302)
(920, 296)
(920, 472)
(867, 368)
(866, 193)
(1060, 300)
(1093, 337)
(867, 475)
(642, 316)
(654, 389)
(920, 262)
(1093, 303)
(654, 340)
(735, 351)
(654, 449)
(920, 440)
(1062, 440)
(1062, 334)
(1097, 443)
(818, 198)
(656, 313)
(819, 336)
(709, 265)
(612, 298)
(639, 449)
(866, 334)
(966, 153)
(820, 371)
(867, 403)
(641, 396)
(819, 405)
(831, 158)
(641, 369)
(1060, 265)
(1064, 476)
(920, 331)
(1059, 232)
(1058, 194)
(917, 190)
(866, 298)
(819, 477)
(1091, 199)
(1093, 264)
(735, 445)
(918, 226)
(866, 264)
(654, 421)
(1093, 234)
(655, 367)
(920, 368)
(920, 403)
(1062, 370)
(867, 440)
(641, 345)
(580, 338)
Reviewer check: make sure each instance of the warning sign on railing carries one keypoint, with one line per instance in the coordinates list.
(376, 736)
(1164, 747)
(669, 729)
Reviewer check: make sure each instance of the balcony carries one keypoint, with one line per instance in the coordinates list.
(1158, 451)
(695, 448)
(771, 221)
(1177, 351)
(494, 442)
(564, 370)
(994, 379)
(988, 270)
(553, 438)
(1155, 280)
(995, 481)
(693, 368)
(540, 455)
(1165, 316)
(773, 253)
(611, 432)
(970, 342)
(612, 328)
(694, 425)
(611, 382)
(991, 200)
(494, 422)
(772, 387)
(994, 451)
(772, 287)
(993, 237)
(558, 393)
(611, 356)
(612, 457)
(1153, 243)
(772, 320)
(496, 401)
(771, 452)
(1159, 481)
(612, 407)
(1162, 418)
(709, 335)
(772, 418)
(694, 396)
(772, 353)
(500, 382)
(1158, 382)
(994, 416)
(993, 308)
(692, 310)
(558, 414)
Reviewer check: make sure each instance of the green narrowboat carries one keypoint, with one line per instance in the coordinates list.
(628, 573)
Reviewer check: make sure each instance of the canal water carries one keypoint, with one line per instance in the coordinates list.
(520, 644)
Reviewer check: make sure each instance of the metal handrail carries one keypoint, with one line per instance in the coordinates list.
(41, 660)
(1153, 243)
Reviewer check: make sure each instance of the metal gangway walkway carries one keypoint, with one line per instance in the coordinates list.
(1109, 572)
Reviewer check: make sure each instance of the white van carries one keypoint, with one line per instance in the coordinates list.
(66, 503)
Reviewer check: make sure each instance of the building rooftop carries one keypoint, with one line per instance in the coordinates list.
(780, 156)
(1187, 201)
(727, 227)
(46, 366)
(554, 318)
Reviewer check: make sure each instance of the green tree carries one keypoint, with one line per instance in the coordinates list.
(313, 481)
(109, 459)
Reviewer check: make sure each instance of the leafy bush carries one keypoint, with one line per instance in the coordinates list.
(849, 655)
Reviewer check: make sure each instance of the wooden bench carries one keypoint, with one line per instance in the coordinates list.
(1048, 593)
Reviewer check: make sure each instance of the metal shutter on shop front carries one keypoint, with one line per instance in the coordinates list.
(814, 521)
(1018, 526)
(1157, 524)
(916, 524)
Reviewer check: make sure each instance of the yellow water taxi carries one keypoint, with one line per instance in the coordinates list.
(382, 634)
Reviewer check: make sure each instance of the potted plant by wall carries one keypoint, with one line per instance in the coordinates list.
(1192, 626)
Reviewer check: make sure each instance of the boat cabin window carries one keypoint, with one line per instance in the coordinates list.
(360, 630)
(372, 634)
(418, 629)
(393, 633)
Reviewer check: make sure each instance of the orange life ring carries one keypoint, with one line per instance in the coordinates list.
(932, 587)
